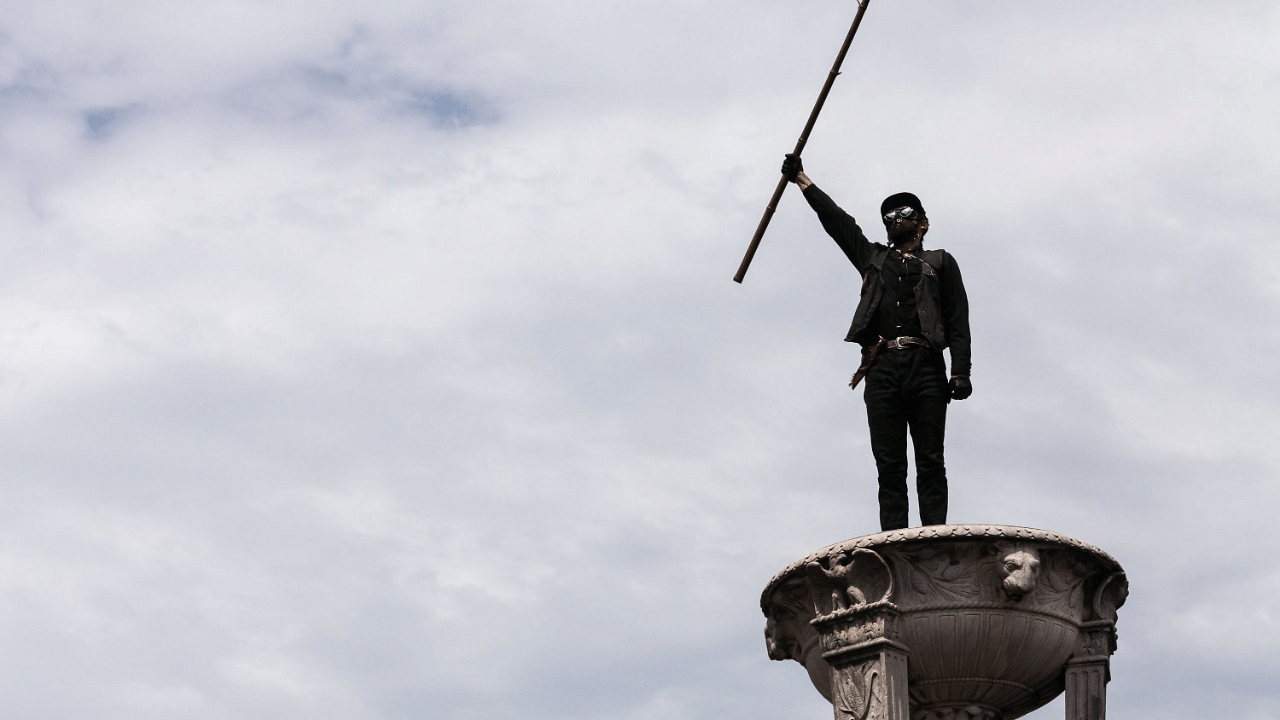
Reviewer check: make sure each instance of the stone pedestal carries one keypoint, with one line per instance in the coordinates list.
(950, 622)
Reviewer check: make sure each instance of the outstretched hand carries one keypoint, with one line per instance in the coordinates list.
(961, 388)
(791, 167)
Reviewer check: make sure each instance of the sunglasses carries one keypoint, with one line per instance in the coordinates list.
(906, 213)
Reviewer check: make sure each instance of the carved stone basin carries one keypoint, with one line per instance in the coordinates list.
(950, 622)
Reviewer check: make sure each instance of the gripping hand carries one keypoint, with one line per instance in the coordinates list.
(961, 388)
(792, 167)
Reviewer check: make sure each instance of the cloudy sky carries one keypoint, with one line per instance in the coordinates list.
(381, 360)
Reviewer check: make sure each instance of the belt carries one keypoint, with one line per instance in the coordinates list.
(903, 342)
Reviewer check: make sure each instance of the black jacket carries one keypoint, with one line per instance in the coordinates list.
(940, 299)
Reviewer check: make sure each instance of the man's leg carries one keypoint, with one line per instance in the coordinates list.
(927, 433)
(927, 394)
(888, 423)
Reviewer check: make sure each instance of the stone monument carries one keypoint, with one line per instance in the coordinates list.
(950, 622)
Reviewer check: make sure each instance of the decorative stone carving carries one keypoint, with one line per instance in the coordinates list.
(789, 635)
(1020, 568)
(848, 579)
(950, 622)
(861, 690)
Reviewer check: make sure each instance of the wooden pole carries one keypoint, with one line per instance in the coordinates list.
(804, 138)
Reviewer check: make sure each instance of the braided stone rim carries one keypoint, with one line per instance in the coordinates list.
(931, 532)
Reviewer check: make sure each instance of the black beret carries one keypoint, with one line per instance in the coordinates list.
(902, 199)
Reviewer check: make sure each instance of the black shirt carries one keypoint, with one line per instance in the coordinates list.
(897, 315)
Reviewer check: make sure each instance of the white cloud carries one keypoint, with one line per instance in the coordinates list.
(383, 360)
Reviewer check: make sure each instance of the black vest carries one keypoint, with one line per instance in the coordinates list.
(928, 303)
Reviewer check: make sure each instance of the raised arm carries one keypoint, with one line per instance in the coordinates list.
(838, 223)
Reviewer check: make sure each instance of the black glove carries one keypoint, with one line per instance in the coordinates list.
(792, 167)
(961, 388)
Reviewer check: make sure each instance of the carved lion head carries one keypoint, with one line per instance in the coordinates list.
(1020, 570)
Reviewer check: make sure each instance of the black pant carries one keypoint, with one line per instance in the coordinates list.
(908, 388)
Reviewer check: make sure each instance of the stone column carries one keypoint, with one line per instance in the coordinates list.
(1089, 670)
(868, 667)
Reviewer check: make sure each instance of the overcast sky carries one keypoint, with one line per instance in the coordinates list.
(381, 360)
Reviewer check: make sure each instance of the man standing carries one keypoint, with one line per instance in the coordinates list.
(913, 306)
